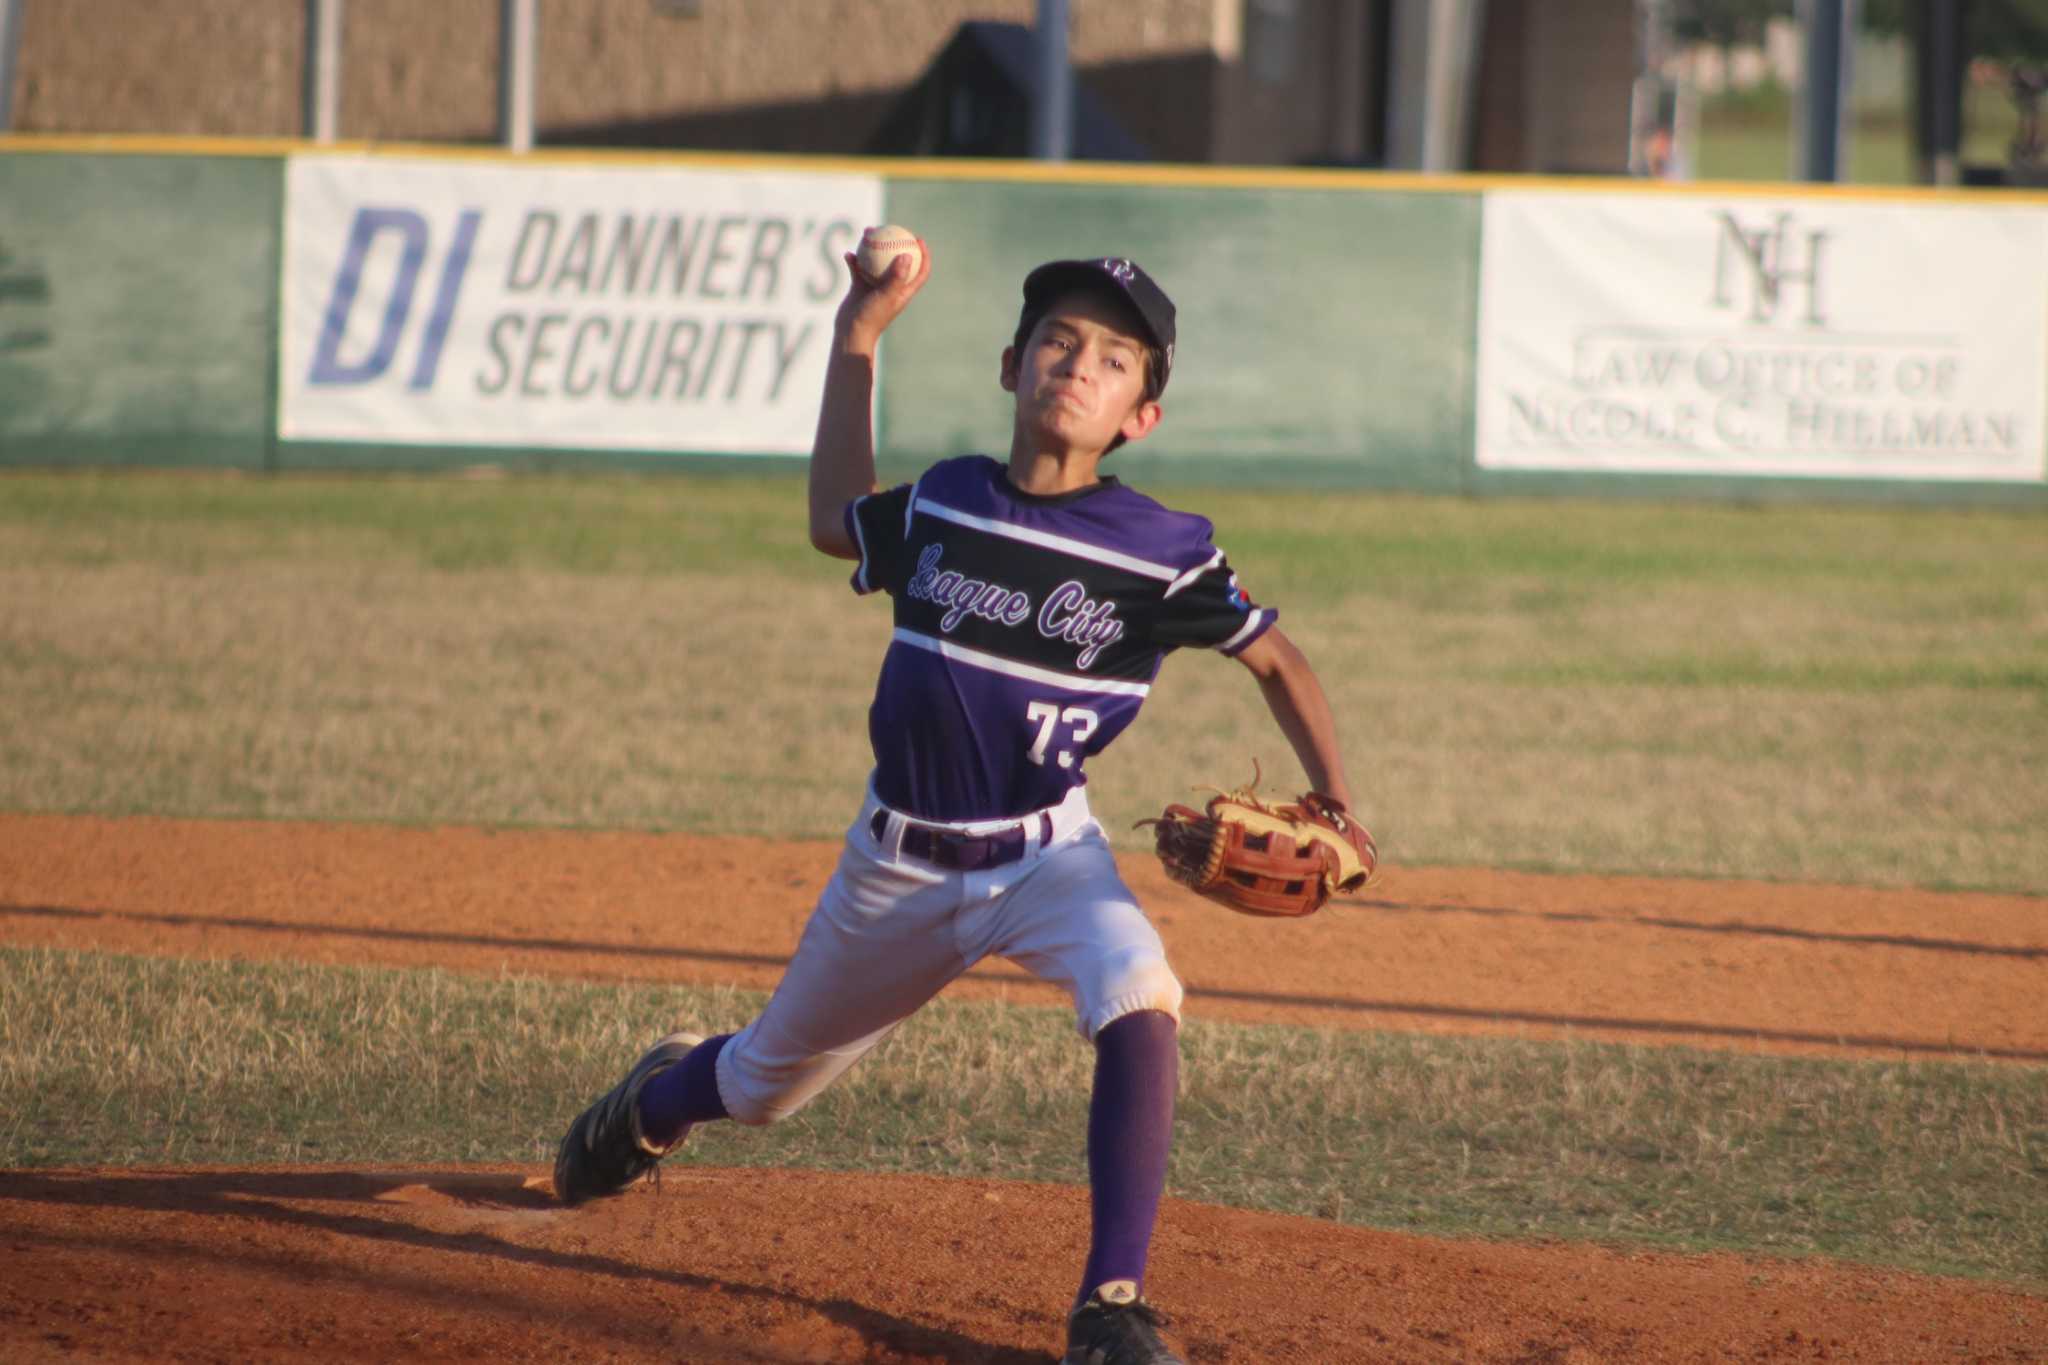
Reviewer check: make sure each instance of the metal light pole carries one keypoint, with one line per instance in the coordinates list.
(1938, 71)
(518, 24)
(1830, 34)
(322, 82)
(1436, 55)
(1052, 115)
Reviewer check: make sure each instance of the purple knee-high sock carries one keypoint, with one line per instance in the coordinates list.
(684, 1094)
(1130, 1128)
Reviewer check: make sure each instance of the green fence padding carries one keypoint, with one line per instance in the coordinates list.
(1326, 335)
(1327, 330)
(136, 297)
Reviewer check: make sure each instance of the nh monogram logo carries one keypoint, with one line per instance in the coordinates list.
(1769, 255)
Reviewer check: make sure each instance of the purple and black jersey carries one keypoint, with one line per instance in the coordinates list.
(1028, 630)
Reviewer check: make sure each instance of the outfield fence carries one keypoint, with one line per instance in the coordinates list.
(273, 306)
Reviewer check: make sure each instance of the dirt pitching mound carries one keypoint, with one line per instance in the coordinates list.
(730, 1265)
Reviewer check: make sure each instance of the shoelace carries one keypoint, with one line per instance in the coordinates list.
(1140, 1309)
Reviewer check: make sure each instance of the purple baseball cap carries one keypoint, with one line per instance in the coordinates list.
(1111, 274)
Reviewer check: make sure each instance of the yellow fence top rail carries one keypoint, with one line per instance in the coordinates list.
(1161, 175)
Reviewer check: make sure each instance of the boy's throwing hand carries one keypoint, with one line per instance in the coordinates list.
(870, 306)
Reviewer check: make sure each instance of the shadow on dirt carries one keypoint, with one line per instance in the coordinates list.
(357, 1206)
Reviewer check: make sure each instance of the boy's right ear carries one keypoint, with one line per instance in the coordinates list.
(1009, 375)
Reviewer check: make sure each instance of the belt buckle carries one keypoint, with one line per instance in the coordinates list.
(962, 852)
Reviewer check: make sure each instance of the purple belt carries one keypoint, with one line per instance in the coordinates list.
(966, 852)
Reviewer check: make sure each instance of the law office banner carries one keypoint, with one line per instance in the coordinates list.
(493, 303)
(1756, 335)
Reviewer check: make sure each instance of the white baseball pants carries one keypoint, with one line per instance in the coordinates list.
(890, 931)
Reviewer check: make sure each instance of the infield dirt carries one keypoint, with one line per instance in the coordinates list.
(466, 1263)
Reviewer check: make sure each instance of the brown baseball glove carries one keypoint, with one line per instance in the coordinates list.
(1259, 859)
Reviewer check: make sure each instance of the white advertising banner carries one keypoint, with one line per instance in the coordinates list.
(460, 302)
(1747, 335)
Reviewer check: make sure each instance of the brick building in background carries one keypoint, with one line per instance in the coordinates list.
(1248, 82)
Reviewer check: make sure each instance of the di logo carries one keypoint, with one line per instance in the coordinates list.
(376, 234)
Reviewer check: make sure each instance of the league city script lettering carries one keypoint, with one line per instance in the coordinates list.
(1068, 613)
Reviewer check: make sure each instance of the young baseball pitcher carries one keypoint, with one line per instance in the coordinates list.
(1034, 600)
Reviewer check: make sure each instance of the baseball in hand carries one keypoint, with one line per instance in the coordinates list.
(879, 248)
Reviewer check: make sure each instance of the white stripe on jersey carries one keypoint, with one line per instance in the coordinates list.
(1192, 574)
(1251, 624)
(910, 504)
(996, 664)
(860, 542)
(1079, 548)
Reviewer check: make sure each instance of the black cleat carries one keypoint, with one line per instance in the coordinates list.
(603, 1151)
(1116, 1327)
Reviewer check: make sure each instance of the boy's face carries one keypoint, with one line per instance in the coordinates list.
(1080, 378)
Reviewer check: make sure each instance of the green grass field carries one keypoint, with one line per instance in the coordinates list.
(1853, 694)
(1750, 138)
(1938, 1167)
(1847, 693)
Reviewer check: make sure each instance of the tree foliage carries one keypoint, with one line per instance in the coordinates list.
(2009, 30)
(1726, 23)
(2016, 30)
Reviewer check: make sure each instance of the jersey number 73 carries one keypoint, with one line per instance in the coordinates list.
(1048, 715)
